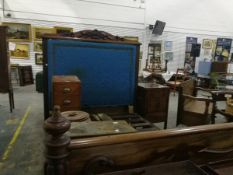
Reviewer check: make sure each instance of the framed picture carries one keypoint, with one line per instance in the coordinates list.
(150, 57)
(151, 50)
(19, 32)
(39, 31)
(62, 30)
(207, 44)
(131, 38)
(168, 46)
(188, 47)
(218, 50)
(168, 56)
(38, 46)
(39, 58)
(158, 47)
(21, 51)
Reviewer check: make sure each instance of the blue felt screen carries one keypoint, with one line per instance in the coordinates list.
(107, 71)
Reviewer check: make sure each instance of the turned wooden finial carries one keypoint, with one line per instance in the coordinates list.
(56, 124)
(56, 143)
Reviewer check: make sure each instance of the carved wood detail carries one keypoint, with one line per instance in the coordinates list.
(56, 144)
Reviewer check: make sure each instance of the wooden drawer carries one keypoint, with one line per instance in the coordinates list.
(66, 89)
(68, 101)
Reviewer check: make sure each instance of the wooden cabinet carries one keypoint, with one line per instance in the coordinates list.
(66, 92)
(25, 75)
(152, 102)
(5, 76)
(5, 84)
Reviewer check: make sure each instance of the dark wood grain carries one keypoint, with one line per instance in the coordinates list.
(56, 144)
(201, 144)
(25, 75)
(152, 102)
(5, 84)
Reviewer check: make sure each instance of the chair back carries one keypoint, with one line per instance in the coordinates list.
(188, 87)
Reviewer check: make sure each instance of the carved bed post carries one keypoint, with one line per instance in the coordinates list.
(56, 144)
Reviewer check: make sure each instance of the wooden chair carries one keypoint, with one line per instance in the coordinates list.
(193, 110)
(177, 79)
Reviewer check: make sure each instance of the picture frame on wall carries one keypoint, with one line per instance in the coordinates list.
(38, 32)
(168, 46)
(38, 58)
(151, 57)
(131, 38)
(21, 51)
(151, 50)
(188, 47)
(207, 44)
(168, 56)
(38, 46)
(63, 30)
(18, 32)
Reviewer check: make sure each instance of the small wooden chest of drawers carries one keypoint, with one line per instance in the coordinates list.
(66, 92)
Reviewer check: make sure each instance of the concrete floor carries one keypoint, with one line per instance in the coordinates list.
(23, 154)
(22, 136)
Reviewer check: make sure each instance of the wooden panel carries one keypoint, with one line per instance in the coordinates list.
(202, 144)
(177, 168)
(4, 62)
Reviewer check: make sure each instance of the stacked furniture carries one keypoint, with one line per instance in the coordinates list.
(107, 68)
(108, 72)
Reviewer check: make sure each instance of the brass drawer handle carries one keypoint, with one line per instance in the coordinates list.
(66, 102)
(66, 90)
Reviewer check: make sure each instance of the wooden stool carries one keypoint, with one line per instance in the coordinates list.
(76, 116)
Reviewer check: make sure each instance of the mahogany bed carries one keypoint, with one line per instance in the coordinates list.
(208, 145)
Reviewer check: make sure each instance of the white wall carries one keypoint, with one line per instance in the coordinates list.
(193, 16)
(121, 13)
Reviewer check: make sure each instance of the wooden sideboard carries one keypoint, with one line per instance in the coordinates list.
(152, 102)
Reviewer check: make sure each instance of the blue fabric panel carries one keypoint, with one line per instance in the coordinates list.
(204, 68)
(106, 70)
